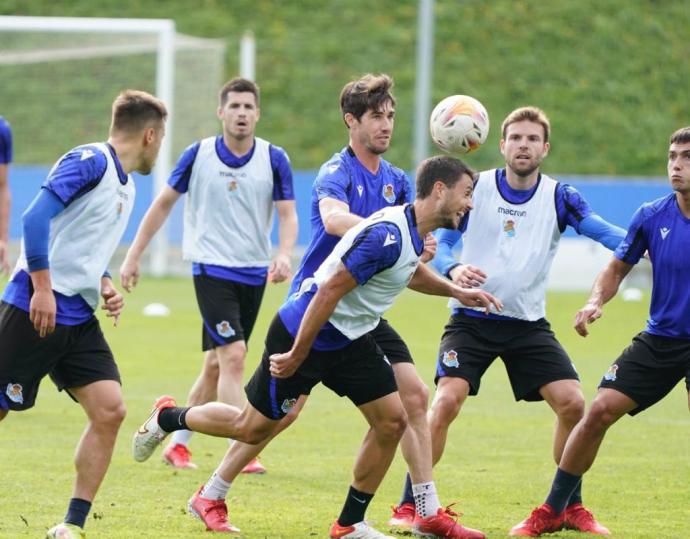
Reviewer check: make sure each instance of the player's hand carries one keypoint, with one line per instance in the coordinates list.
(588, 314)
(42, 309)
(113, 302)
(284, 365)
(280, 268)
(4, 258)
(429, 252)
(478, 298)
(129, 273)
(467, 276)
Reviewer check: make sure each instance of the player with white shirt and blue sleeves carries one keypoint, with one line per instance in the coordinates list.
(5, 160)
(234, 182)
(658, 357)
(47, 322)
(323, 333)
(508, 243)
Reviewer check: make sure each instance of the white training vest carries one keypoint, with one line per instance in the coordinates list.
(514, 244)
(85, 234)
(228, 213)
(360, 310)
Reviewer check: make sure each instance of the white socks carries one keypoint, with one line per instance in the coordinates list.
(425, 499)
(216, 488)
(181, 437)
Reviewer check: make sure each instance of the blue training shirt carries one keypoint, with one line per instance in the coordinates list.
(345, 179)
(364, 259)
(77, 173)
(571, 210)
(660, 228)
(5, 142)
(282, 190)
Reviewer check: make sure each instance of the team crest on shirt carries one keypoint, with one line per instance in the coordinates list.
(232, 186)
(509, 228)
(611, 373)
(450, 359)
(288, 404)
(224, 329)
(15, 393)
(389, 193)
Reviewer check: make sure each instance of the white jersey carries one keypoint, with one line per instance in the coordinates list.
(84, 236)
(228, 213)
(360, 310)
(514, 244)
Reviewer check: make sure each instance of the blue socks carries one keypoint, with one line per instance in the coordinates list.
(562, 489)
(77, 512)
(408, 496)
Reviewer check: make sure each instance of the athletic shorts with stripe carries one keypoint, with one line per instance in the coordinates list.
(648, 369)
(228, 310)
(359, 372)
(532, 355)
(73, 356)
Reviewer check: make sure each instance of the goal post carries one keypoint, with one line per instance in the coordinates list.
(60, 72)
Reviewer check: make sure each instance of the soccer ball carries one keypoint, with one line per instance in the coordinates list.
(459, 124)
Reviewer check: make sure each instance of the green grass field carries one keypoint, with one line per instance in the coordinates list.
(497, 464)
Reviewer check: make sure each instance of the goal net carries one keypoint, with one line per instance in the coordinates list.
(60, 75)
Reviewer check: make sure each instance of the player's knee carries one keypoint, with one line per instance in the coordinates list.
(392, 427)
(572, 408)
(600, 416)
(446, 407)
(416, 401)
(231, 356)
(111, 416)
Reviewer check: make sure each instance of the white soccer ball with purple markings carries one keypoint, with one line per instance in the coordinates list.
(459, 124)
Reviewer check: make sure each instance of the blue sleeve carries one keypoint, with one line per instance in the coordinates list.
(631, 249)
(77, 173)
(376, 248)
(602, 231)
(571, 208)
(405, 196)
(179, 178)
(447, 239)
(36, 222)
(282, 174)
(333, 181)
(5, 143)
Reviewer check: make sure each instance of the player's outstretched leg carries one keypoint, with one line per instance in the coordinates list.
(150, 434)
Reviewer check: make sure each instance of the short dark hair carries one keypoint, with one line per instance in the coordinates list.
(134, 110)
(369, 92)
(530, 114)
(682, 136)
(238, 84)
(440, 168)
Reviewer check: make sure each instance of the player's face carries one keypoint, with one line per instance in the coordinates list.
(456, 202)
(151, 149)
(239, 115)
(679, 167)
(523, 147)
(375, 129)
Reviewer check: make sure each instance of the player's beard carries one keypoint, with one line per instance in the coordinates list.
(523, 172)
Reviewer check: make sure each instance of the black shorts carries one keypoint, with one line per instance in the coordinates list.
(359, 371)
(394, 348)
(228, 310)
(649, 369)
(73, 356)
(529, 350)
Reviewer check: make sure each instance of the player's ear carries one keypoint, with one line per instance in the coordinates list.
(349, 119)
(149, 135)
(502, 146)
(547, 147)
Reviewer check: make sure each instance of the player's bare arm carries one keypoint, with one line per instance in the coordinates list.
(287, 234)
(155, 217)
(467, 276)
(317, 314)
(42, 308)
(604, 288)
(113, 302)
(4, 219)
(336, 216)
(427, 282)
(430, 245)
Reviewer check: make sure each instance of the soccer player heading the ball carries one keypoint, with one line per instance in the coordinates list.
(47, 322)
(658, 357)
(508, 243)
(322, 334)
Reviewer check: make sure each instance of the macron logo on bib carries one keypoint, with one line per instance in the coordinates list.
(86, 154)
(390, 240)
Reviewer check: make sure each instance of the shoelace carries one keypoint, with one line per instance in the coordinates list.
(220, 509)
